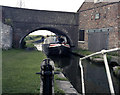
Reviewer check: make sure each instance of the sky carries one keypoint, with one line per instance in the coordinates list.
(55, 5)
(42, 32)
(52, 5)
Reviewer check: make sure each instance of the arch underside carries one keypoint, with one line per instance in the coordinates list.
(56, 31)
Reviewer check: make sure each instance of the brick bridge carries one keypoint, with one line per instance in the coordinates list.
(26, 21)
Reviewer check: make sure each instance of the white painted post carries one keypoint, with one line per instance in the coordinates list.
(82, 77)
(108, 74)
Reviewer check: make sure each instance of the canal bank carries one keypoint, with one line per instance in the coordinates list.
(64, 84)
(112, 57)
(94, 74)
(61, 84)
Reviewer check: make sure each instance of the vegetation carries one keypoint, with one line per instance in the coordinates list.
(113, 54)
(57, 90)
(87, 52)
(56, 77)
(30, 45)
(83, 52)
(8, 22)
(57, 69)
(32, 38)
(59, 78)
(117, 69)
(19, 69)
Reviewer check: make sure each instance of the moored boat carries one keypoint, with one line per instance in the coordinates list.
(54, 48)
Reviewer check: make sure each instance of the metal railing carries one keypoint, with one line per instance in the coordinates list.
(103, 52)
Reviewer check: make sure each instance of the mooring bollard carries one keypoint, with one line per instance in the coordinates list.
(47, 76)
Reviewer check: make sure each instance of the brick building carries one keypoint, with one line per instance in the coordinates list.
(99, 25)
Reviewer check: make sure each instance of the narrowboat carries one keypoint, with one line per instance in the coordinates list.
(55, 48)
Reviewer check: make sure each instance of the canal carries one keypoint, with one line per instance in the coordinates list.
(94, 74)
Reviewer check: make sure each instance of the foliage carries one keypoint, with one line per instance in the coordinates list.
(32, 38)
(8, 22)
(30, 45)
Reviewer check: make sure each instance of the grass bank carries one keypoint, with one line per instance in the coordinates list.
(18, 71)
(87, 52)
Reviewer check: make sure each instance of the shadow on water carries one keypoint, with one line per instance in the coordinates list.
(94, 74)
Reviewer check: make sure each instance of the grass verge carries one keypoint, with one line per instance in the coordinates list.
(18, 71)
(57, 90)
(87, 52)
(59, 78)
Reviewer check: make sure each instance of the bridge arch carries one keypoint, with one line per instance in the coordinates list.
(25, 21)
(54, 30)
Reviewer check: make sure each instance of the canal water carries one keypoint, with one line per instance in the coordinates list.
(94, 74)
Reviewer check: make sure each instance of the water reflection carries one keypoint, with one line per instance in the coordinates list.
(95, 75)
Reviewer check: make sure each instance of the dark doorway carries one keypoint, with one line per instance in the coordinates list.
(81, 35)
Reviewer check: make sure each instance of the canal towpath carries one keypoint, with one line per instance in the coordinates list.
(64, 85)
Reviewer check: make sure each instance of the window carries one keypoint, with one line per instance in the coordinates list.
(81, 35)
(97, 16)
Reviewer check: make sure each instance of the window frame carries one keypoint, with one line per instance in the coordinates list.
(81, 36)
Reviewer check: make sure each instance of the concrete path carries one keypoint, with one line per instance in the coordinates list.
(66, 86)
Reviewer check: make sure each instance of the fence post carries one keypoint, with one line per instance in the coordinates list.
(82, 77)
(108, 73)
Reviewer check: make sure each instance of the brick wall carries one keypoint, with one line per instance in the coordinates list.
(119, 24)
(98, 16)
(6, 34)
